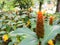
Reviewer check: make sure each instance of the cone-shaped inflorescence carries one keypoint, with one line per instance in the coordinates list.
(51, 20)
(40, 25)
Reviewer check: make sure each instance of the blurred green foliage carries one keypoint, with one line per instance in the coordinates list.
(10, 4)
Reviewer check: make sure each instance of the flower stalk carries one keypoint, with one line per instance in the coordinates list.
(51, 20)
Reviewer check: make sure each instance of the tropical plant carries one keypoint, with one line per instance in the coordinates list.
(30, 37)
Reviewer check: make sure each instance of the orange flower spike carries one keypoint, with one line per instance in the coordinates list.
(40, 25)
(51, 20)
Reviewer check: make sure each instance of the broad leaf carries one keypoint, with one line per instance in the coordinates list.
(29, 41)
(51, 33)
(11, 43)
(23, 31)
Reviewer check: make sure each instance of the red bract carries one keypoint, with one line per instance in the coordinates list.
(40, 25)
(51, 20)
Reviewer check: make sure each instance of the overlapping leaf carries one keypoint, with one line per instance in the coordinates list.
(50, 33)
(29, 41)
(21, 31)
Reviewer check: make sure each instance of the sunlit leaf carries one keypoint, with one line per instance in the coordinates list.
(29, 41)
(21, 31)
(51, 33)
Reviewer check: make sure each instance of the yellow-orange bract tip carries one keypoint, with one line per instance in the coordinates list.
(51, 16)
(39, 13)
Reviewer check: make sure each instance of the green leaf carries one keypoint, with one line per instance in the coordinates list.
(57, 42)
(23, 16)
(19, 22)
(29, 41)
(57, 22)
(1, 42)
(3, 27)
(14, 39)
(14, 27)
(22, 31)
(0, 24)
(51, 33)
(8, 28)
(33, 23)
(26, 19)
(33, 14)
(11, 43)
(2, 32)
